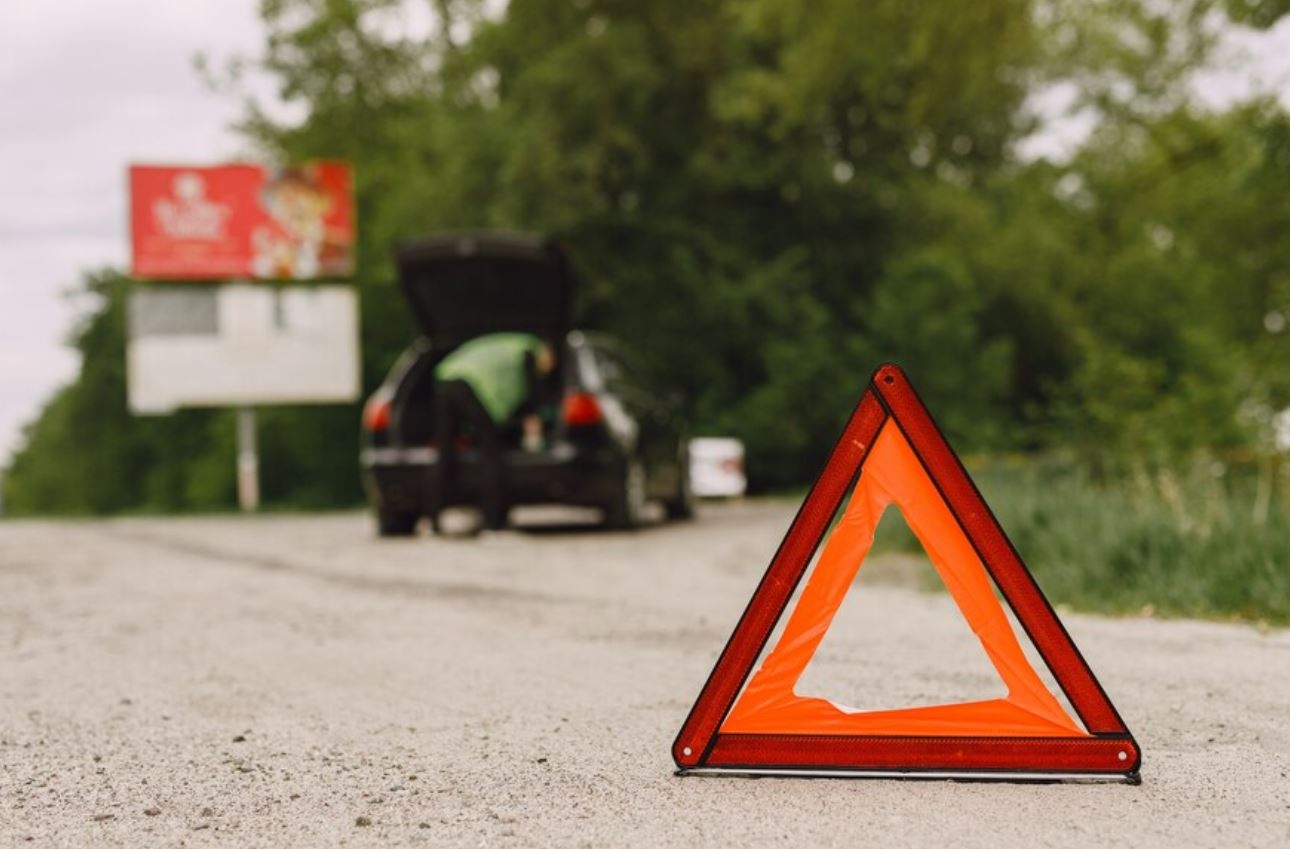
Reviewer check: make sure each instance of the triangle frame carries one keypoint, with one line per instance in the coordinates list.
(1107, 752)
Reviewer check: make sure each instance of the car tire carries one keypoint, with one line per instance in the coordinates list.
(681, 506)
(394, 523)
(627, 508)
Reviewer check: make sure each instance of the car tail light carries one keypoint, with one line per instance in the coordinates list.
(376, 413)
(582, 408)
(733, 465)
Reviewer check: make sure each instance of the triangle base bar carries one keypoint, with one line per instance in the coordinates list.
(1115, 756)
(923, 775)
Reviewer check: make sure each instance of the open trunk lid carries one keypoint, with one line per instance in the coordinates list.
(463, 285)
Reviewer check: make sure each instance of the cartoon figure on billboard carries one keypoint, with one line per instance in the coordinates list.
(242, 220)
(298, 205)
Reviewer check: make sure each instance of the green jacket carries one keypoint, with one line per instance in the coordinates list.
(494, 368)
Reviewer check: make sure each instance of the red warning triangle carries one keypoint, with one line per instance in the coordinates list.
(748, 722)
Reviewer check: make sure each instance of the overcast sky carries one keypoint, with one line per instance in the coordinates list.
(87, 86)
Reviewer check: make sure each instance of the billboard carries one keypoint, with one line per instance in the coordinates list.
(240, 345)
(242, 221)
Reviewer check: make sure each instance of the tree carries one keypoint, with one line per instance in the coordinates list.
(767, 198)
(87, 453)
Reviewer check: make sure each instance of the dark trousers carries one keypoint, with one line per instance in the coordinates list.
(456, 405)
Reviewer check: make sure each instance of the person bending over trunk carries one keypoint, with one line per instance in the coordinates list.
(485, 385)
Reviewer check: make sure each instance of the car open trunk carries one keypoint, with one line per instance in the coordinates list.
(463, 285)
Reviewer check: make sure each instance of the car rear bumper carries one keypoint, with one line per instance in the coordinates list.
(400, 479)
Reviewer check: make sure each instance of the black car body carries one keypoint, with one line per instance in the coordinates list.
(608, 441)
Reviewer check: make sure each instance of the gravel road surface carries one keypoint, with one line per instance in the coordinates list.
(293, 681)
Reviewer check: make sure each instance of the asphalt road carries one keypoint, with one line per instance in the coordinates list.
(293, 681)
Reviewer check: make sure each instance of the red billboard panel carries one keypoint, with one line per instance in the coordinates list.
(242, 221)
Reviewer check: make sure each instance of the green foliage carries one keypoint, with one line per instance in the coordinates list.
(1210, 540)
(1257, 13)
(1206, 541)
(1175, 342)
(86, 454)
(766, 199)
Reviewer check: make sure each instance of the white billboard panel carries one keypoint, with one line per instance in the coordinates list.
(241, 345)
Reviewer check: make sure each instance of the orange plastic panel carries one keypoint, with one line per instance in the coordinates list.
(892, 474)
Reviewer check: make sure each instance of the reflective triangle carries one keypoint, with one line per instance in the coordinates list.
(897, 457)
(892, 476)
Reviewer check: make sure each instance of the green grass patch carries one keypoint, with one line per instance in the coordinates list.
(1210, 541)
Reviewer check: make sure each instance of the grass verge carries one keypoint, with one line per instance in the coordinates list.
(1209, 541)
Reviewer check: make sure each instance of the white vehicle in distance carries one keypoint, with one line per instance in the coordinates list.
(717, 467)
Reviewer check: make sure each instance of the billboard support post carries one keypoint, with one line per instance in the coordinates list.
(248, 461)
(238, 344)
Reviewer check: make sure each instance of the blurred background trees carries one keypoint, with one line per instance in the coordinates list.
(767, 198)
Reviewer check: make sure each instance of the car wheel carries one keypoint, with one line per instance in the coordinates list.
(628, 506)
(681, 505)
(394, 523)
